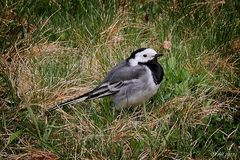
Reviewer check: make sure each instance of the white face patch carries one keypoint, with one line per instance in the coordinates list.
(143, 56)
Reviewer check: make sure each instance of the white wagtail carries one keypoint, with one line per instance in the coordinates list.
(131, 82)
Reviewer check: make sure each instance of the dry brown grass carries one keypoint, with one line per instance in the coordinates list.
(214, 62)
(35, 155)
(27, 83)
(162, 130)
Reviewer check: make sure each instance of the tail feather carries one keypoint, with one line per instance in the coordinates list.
(69, 101)
(101, 91)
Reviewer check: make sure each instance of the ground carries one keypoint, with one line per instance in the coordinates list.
(54, 50)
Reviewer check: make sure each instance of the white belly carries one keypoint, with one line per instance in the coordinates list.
(141, 97)
(137, 94)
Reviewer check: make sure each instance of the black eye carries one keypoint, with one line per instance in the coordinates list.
(144, 55)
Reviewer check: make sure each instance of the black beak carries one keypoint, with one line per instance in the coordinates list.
(158, 55)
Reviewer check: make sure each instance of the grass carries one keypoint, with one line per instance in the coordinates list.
(55, 50)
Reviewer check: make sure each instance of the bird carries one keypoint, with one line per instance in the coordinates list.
(131, 82)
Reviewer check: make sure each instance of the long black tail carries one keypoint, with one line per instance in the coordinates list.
(69, 101)
(101, 91)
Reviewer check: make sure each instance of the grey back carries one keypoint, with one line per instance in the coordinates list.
(124, 72)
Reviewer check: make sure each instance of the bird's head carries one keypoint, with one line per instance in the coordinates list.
(143, 55)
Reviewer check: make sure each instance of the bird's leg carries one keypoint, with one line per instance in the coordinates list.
(145, 111)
